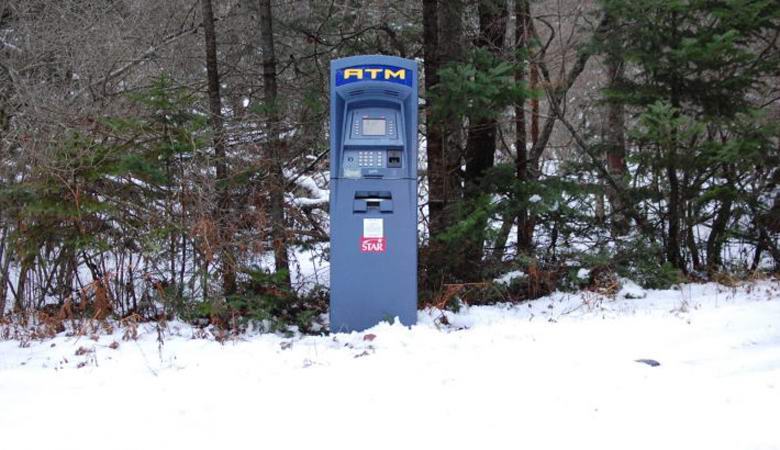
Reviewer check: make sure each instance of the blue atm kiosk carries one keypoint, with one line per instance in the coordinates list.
(373, 191)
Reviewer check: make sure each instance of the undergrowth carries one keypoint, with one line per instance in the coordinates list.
(261, 306)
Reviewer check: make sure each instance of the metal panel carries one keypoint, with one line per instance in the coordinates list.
(373, 196)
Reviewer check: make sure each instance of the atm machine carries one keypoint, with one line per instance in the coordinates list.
(373, 192)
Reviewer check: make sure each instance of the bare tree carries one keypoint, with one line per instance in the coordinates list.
(521, 50)
(276, 153)
(223, 215)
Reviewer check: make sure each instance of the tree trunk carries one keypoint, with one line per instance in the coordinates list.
(437, 171)
(767, 242)
(21, 284)
(690, 240)
(522, 34)
(534, 85)
(527, 170)
(227, 256)
(600, 212)
(673, 243)
(500, 245)
(276, 149)
(673, 254)
(5, 262)
(442, 36)
(715, 239)
(481, 141)
(452, 52)
(437, 163)
(616, 145)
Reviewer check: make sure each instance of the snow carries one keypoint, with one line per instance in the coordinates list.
(311, 267)
(320, 197)
(629, 290)
(560, 372)
(506, 279)
(583, 274)
(536, 198)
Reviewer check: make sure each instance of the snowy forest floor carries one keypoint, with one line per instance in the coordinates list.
(559, 372)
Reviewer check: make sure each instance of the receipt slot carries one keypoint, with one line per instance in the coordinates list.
(373, 191)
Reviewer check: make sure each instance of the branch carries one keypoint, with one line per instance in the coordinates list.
(294, 180)
(171, 38)
(596, 161)
(556, 94)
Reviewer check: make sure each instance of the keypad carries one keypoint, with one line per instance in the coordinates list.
(370, 159)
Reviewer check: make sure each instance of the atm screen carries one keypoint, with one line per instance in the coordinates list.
(374, 127)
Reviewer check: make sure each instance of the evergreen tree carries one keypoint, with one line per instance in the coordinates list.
(695, 70)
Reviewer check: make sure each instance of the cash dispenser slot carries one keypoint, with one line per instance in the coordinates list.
(365, 201)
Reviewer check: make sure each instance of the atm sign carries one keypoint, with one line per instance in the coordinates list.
(372, 245)
(374, 72)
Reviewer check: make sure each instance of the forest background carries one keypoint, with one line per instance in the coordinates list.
(170, 159)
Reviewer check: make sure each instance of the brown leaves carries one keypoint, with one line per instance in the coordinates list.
(130, 324)
(96, 293)
(102, 298)
(206, 237)
(604, 281)
(540, 282)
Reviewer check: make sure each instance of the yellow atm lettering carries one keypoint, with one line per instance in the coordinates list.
(373, 73)
(400, 73)
(357, 73)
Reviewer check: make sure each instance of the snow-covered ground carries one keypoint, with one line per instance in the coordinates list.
(558, 373)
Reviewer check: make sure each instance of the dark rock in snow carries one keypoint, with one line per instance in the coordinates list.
(649, 362)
